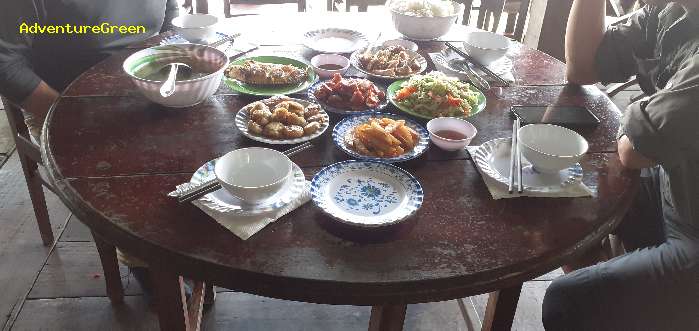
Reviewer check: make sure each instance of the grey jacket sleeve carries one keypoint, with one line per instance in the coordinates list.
(623, 44)
(17, 79)
(664, 127)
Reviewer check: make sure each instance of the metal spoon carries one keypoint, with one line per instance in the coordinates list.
(168, 87)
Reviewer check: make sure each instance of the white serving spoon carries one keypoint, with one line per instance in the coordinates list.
(168, 87)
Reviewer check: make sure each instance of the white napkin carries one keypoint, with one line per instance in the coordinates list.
(499, 190)
(246, 226)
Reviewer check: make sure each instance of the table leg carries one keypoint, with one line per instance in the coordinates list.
(110, 267)
(174, 314)
(387, 318)
(501, 309)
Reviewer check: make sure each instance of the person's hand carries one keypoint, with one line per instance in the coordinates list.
(629, 157)
(37, 104)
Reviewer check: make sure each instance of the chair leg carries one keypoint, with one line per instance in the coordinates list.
(174, 313)
(36, 194)
(110, 267)
(501, 307)
(227, 8)
(209, 295)
(510, 26)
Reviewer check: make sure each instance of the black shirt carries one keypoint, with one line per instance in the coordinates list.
(58, 58)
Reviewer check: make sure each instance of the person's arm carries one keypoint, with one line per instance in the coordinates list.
(39, 101)
(18, 82)
(584, 34)
(662, 130)
(631, 158)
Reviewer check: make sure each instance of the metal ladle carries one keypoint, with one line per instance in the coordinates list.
(168, 87)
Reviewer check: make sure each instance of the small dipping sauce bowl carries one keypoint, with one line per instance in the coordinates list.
(451, 134)
(253, 174)
(326, 65)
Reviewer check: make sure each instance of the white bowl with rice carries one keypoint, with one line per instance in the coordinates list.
(424, 20)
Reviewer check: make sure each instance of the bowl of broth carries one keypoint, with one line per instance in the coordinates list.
(451, 134)
(195, 82)
(326, 65)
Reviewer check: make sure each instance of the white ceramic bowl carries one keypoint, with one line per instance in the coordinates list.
(407, 44)
(551, 148)
(253, 174)
(452, 124)
(196, 28)
(486, 47)
(322, 59)
(187, 92)
(422, 28)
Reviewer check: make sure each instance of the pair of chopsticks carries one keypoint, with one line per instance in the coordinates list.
(197, 191)
(477, 64)
(515, 160)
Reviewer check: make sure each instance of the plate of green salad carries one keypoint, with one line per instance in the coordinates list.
(436, 95)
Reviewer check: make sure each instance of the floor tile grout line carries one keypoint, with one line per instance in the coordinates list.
(17, 308)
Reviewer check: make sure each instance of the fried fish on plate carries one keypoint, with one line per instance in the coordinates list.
(260, 73)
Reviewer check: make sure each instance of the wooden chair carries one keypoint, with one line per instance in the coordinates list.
(247, 5)
(30, 158)
(362, 5)
(29, 155)
(516, 12)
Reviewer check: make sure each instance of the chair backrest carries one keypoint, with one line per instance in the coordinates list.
(255, 6)
(362, 5)
(517, 13)
(20, 131)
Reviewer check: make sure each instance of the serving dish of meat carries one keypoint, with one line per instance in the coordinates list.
(388, 62)
(282, 120)
(348, 95)
(269, 75)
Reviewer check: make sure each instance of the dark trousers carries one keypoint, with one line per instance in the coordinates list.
(653, 287)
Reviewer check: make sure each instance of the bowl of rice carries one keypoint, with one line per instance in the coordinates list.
(424, 19)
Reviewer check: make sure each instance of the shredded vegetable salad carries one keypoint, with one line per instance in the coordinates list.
(437, 95)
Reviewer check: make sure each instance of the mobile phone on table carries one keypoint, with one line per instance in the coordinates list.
(568, 116)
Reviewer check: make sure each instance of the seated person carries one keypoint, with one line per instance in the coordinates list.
(655, 286)
(34, 68)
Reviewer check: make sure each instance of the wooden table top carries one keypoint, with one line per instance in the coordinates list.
(114, 156)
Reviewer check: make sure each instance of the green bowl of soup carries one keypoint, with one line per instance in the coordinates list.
(148, 69)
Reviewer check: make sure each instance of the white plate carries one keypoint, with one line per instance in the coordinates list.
(493, 158)
(354, 59)
(366, 193)
(333, 40)
(224, 202)
(241, 122)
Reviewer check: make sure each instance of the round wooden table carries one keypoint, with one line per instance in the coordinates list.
(114, 156)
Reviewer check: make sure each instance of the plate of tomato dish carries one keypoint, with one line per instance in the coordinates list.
(348, 95)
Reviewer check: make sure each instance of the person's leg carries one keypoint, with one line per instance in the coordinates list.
(643, 225)
(651, 289)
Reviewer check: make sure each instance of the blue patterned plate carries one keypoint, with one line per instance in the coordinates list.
(344, 111)
(343, 131)
(366, 193)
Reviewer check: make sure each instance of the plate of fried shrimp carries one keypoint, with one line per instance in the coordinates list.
(382, 137)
